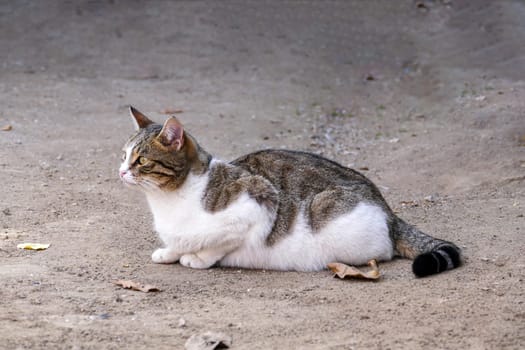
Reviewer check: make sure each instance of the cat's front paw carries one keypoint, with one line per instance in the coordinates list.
(193, 261)
(164, 256)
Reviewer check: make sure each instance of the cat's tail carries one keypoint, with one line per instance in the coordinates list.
(431, 255)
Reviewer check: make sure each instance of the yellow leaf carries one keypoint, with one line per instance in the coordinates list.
(33, 246)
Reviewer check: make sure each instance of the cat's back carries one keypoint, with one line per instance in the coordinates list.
(301, 169)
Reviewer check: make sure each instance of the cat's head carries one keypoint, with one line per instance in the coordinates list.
(160, 157)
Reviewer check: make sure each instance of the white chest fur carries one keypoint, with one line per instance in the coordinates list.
(185, 226)
(172, 211)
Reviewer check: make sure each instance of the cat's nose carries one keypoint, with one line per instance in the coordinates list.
(122, 173)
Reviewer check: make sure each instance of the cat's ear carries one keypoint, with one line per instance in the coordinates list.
(139, 120)
(172, 134)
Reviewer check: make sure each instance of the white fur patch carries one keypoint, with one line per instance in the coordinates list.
(353, 238)
(125, 166)
(126, 163)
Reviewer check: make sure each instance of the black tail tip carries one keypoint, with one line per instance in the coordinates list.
(439, 260)
(425, 265)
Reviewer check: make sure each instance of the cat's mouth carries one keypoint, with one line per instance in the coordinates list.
(131, 181)
(127, 178)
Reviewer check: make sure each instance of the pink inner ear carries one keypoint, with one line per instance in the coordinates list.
(172, 134)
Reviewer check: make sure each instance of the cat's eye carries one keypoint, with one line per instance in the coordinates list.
(142, 160)
(124, 156)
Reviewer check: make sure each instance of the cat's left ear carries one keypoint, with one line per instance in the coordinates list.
(139, 119)
(172, 134)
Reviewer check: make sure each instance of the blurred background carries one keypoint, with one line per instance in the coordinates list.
(425, 97)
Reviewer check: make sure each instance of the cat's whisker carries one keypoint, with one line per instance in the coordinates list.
(149, 185)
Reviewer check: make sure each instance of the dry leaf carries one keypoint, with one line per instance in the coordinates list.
(7, 128)
(208, 341)
(409, 203)
(33, 246)
(171, 111)
(128, 284)
(343, 271)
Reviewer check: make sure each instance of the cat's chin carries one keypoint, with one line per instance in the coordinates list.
(140, 187)
(129, 183)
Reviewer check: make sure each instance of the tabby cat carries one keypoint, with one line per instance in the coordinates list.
(272, 209)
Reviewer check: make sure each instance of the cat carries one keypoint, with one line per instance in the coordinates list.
(271, 209)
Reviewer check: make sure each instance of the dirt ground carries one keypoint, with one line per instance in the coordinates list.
(426, 98)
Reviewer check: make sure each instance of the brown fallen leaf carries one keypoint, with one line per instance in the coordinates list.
(128, 284)
(7, 128)
(343, 271)
(409, 203)
(171, 111)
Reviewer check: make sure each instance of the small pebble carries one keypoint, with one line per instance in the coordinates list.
(431, 198)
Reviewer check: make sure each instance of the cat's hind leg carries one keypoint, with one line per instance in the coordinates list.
(165, 256)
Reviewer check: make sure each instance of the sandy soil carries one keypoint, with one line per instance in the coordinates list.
(426, 98)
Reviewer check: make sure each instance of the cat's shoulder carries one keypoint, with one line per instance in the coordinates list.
(228, 181)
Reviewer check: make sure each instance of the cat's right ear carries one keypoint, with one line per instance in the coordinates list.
(172, 134)
(139, 120)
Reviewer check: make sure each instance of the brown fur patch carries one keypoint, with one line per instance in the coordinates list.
(404, 249)
(166, 167)
(227, 183)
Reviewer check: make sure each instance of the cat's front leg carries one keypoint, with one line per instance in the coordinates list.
(204, 258)
(165, 256)
(209, 244)
(195, 262)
